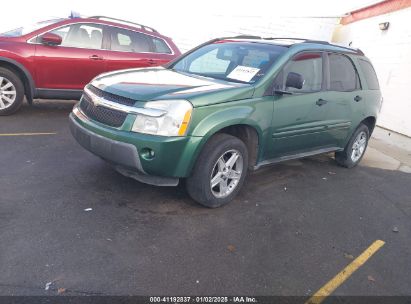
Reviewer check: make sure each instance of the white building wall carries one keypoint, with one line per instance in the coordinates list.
(390, 53)
(204, 28)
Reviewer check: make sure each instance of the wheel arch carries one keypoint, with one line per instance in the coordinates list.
(247, 132)
(370, 122)
(249, 136)
(23, 73)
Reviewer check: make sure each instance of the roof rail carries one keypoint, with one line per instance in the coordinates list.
(144, 27)
(247, 37)
(357, 50)
(318, 42)
(284, 38)
(297, 39)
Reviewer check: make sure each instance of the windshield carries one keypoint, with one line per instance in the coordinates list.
(245, 62)
(29, 28)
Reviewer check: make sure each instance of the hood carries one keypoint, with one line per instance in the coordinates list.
(8, 38)
(161, 83)
(4, 41)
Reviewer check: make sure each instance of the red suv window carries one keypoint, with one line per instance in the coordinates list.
(88, 36)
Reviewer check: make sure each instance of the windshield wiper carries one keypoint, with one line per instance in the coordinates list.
(233, 80)
(191, 73)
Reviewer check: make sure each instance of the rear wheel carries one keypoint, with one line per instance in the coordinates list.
(355, 149)
(11, 92)
(219, 172)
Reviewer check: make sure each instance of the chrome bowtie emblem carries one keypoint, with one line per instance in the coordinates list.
(96, 100)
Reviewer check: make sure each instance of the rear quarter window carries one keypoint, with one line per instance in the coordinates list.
(369, 74)
(160, 46)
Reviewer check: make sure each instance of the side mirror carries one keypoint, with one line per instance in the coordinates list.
(51, 39)
(294, 80)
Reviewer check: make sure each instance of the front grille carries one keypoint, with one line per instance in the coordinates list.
(102, 114)
(112, 97)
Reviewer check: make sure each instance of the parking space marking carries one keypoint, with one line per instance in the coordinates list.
(344, 274)
(27, 134)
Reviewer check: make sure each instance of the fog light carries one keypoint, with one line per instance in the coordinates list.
(147, 153)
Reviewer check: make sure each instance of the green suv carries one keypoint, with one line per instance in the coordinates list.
(230, 106)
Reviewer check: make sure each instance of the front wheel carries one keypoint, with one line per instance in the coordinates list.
(219, 172)
(11, 92)
(355, 149)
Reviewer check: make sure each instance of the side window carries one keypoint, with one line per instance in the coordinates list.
(160, 46)
(209, 62)
(62, 32)
(88, 36)
(123, 40)
(343, 76)
(309, 66)
(129, 41)
(370, 75)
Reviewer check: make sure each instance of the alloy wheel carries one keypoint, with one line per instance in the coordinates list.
(358, 147)
(226, 173)
(8, 93)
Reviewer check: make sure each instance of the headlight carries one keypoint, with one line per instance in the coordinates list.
(173, 123)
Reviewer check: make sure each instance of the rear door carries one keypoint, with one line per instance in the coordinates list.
(78, 59)
(344, 98)
(132, 49)
(299, 117)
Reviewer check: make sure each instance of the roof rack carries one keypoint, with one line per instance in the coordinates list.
(144, 27)
(304, 40)
(247, 37)
(285, 38)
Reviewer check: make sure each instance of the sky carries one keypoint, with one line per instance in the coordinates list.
(170, 16)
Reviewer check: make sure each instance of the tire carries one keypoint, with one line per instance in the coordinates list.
(9, 82)
(211, 163)
(349, 158)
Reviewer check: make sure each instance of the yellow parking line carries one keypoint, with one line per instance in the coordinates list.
(340, 278)
(27, 134)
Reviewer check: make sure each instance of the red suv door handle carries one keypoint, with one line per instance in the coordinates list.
(152, 61)
(96, 57)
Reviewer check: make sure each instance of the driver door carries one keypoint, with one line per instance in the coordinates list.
(74, 63)
(299, 116)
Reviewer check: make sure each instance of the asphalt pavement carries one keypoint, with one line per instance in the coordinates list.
(68, 219)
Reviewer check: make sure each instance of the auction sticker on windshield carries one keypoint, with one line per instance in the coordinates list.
(243, 73)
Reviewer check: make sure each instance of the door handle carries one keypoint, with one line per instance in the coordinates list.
(321, 102)
(152, 61)
(357, 98)
(95, 57)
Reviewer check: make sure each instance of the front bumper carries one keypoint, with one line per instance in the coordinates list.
(122, 155)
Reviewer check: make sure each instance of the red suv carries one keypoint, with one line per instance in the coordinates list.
(57, 58)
